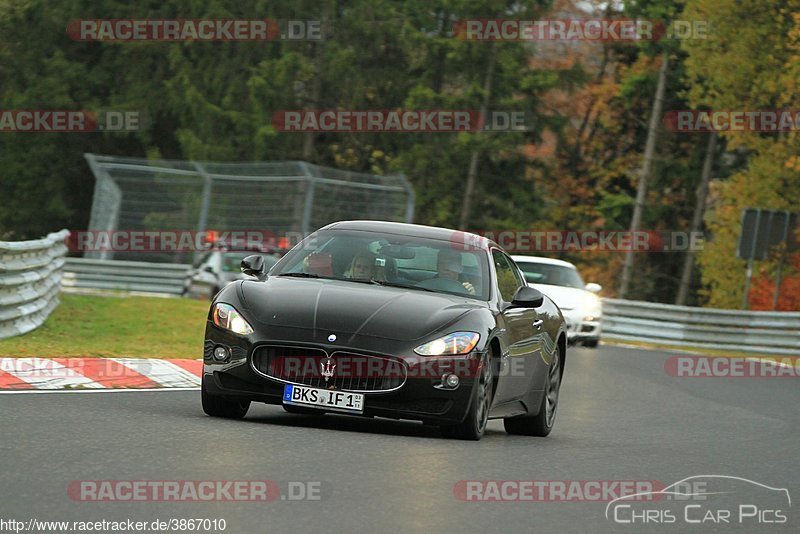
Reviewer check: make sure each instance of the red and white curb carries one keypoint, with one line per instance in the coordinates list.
(98, 373)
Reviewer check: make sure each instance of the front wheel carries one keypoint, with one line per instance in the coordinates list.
(221, 407)
(542, 423)
(474, 424)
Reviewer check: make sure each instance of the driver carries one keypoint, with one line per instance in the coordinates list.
(449, 266)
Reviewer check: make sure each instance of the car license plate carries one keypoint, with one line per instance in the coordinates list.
(323, 398)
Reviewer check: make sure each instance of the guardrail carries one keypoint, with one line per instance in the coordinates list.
(30, 276)
(775, 333)
(139, 276)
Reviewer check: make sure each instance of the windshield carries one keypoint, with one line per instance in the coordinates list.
(554, 275)
(389, 259)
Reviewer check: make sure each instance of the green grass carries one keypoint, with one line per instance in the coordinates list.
(139, 327)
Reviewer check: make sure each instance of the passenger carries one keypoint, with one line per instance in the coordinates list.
(362, 267)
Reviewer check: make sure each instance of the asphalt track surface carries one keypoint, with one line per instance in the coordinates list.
(621, 417)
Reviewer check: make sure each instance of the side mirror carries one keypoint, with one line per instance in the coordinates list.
(253, 265)
(528, 297)
(594, 288)
(208, 269)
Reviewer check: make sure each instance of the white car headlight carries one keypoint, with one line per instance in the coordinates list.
(592, 304)
(226, 316)
(452, 344)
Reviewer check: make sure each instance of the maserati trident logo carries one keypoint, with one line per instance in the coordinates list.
(327, 368)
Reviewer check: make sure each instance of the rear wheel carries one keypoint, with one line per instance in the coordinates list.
(221, 407)
(542, 423)
(474, 424)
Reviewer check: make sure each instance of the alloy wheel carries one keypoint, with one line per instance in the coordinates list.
(553, 386)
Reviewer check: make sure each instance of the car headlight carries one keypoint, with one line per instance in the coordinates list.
(451, 344)
(226, 316)
(592, 304)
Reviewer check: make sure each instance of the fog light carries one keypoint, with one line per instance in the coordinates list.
(221, 354)
(450, 381)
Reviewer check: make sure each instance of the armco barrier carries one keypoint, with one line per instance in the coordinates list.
(30, 276)
(683, 326)
(166, 278)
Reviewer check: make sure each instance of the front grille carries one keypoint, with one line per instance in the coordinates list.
(422, 406)
(344, 370)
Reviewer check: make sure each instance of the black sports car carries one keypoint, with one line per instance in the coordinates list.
(391, 320)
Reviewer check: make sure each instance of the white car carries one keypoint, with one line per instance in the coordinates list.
(559, 280)
(218, 268)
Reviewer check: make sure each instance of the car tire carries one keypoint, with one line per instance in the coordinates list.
(302, 411)
(474, 424)
(542, 423)
(216, 406)
(591, 343)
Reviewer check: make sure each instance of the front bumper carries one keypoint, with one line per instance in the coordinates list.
(421, 397)
(582, 326)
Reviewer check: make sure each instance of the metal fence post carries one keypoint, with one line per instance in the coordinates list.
(411, 201)
(105, 205)
(750, 256)
(781, 259)
(308, 208)
(202, 220)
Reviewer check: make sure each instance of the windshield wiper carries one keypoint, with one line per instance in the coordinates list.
(300, 275)
(358, 281)
(404, 286)
(371, 281)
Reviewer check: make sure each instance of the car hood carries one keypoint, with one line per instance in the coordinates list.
(342, 307)
(231, 277)
(566, 298)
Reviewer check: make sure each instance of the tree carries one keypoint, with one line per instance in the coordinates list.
(751, 63)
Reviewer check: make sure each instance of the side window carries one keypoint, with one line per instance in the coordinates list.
(517, 272)
(507, 278)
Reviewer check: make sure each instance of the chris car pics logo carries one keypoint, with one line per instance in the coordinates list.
(705, 500)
